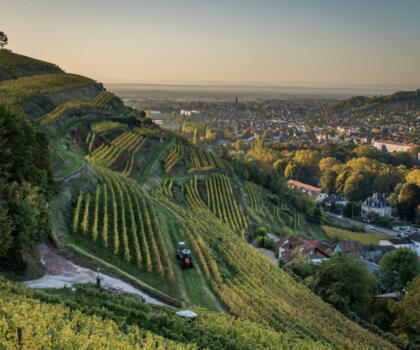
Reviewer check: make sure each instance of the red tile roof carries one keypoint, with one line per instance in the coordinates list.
(316, 191)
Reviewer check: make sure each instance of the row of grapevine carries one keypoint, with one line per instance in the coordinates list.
(102, 100)
(202, 160)
(259, 291)
(55, 326)
(166, 188)
(174, 155)
(105, 126)
(252, 189)
(106, 155)
(130, 162)
(121, 217)
(222, 202)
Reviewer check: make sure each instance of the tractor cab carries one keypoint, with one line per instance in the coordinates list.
(184, 256)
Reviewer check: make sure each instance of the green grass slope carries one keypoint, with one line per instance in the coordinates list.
(13, 66)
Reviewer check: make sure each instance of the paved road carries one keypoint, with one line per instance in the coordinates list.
(376, 229)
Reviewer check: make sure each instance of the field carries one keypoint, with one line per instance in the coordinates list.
(334, 233)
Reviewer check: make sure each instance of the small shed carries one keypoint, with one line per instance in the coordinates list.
(187, 314)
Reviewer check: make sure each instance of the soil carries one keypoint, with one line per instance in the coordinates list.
(61, 272)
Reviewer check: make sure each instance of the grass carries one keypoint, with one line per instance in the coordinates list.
(125, 275)
(192, 281)
(334, 233)
(23, 88)
(156, 156)
(76, 162)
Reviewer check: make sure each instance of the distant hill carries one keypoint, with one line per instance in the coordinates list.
(401, 99)
(42, 89)
(14, 66)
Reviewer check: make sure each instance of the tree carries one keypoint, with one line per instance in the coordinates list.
(292, 171)
(408, 311)
(3, 40)
(397, 268)
(26, 184)
(345, 283)
(408, 201)
(414, 177)
(327, 181)
(262, 234)
(327, 163)
(357, 186)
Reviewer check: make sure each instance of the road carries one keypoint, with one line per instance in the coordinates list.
(376, 229)
(61, 272)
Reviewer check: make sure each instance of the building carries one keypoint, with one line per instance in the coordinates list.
(311, 249)
(374, 252)
(415, 239)
(305, 188)
(386, 146)
(403, 242)
(377, 204)
(353, 248)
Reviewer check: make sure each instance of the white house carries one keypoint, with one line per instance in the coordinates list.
(377, 204)
(412, 242)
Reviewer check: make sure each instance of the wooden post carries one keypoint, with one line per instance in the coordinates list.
(20, 335)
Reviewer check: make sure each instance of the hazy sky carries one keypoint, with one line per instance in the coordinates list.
(277, 41)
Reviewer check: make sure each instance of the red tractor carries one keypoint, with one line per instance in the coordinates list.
(184, 256)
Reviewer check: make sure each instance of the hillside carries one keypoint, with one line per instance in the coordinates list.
(13, 66)
(127, 192)
(401, 100)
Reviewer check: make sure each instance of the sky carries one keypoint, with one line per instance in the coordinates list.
(279, 42)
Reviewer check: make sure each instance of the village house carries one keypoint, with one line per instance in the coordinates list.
(412, 242)
(377, 204)
(313, 250)
(305, 188)
(353, 248)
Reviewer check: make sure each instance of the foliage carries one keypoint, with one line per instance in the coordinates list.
(26, 184)
(52, 325)
(397, 268)
(408, 201)
(345, 283)
(3, 40)
(408, 311)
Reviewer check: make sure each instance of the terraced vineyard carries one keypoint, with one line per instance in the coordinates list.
(107, 154)
(253, 194)
(102, 101)
(202, 160)
(23, 88)
(65, 327)
(257, 290)
(120, 217)
(222, 202)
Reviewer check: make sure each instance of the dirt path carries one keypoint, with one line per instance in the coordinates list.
(269, 254)
(61, 272)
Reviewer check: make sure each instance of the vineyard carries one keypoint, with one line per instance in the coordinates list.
(256, 290)
(102, 101)
(107, 154)
(253, 192)
(120, 217)
(27, 323)
(105, 126)
(23, 88)
(221, 201)
(202, 160)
